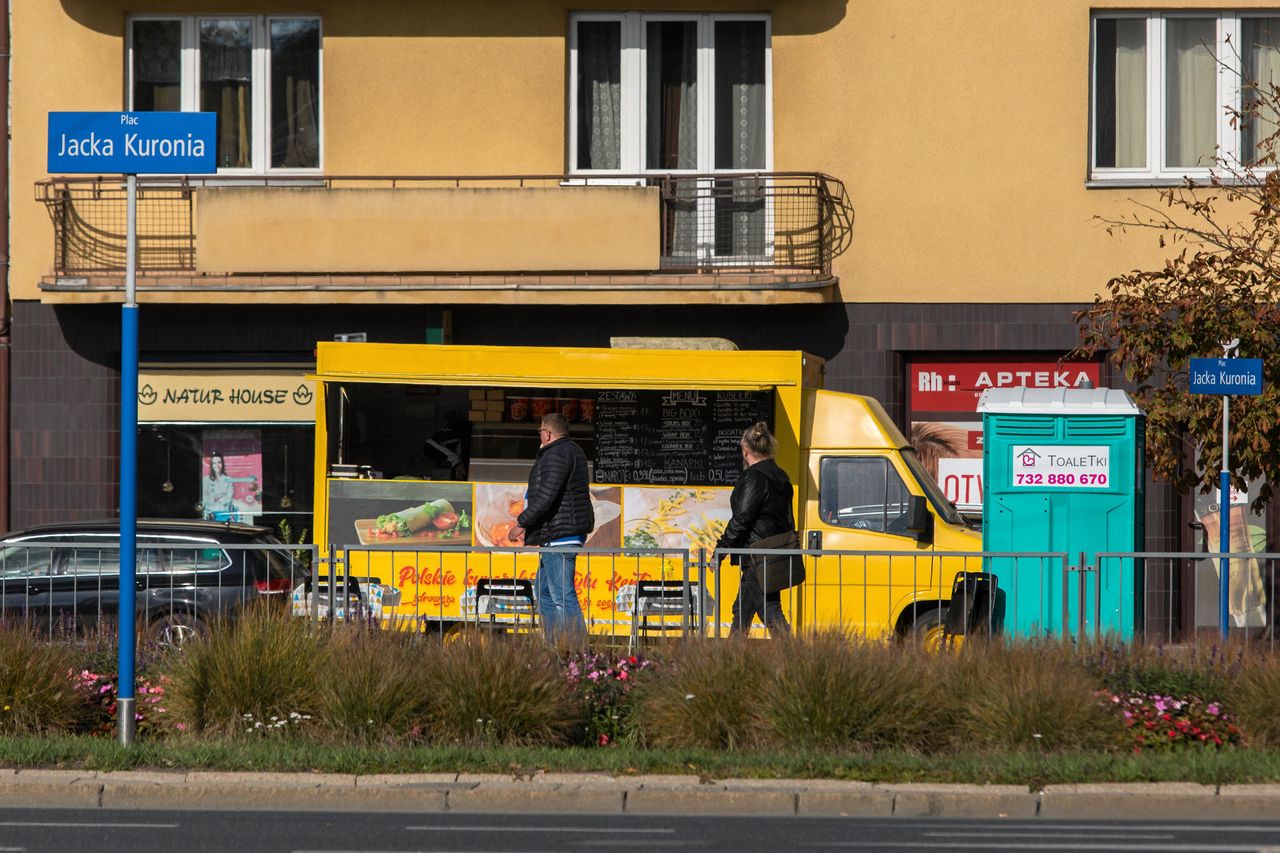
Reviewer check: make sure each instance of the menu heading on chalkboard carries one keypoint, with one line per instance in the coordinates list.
(675, 438)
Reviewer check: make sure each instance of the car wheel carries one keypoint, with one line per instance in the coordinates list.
(929, 631)
(177, 629)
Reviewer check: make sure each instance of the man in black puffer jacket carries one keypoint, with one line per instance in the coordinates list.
(557, 514)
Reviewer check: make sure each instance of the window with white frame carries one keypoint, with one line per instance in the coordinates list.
(669, 92)
(1162, 85)
(656, 93)
(259, 73)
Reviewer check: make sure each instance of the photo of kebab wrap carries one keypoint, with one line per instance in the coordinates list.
(435, 519)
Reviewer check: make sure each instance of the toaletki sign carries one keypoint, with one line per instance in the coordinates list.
(1061, 466)
(224, 396)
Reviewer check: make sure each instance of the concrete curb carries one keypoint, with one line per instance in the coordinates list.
(592, 793)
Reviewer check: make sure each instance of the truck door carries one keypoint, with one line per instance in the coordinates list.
(862, 505)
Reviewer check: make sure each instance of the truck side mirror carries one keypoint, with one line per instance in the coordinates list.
(919, 519)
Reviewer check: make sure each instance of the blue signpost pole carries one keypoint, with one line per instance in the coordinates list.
(125, 699)
(1225, 376)
(129, 144)
(1224, 524)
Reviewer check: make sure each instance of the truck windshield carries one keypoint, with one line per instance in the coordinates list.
(945, 509)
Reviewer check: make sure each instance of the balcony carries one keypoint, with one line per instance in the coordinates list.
(726, 237)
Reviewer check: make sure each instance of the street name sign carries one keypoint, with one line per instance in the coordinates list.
(149, 143)
(1234, 376)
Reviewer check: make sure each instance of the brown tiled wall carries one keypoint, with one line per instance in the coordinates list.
(64, 425)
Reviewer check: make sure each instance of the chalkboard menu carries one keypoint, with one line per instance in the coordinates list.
(675, 438)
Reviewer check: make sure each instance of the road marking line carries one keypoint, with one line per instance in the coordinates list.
(1207, 826)
(987, 845)
(1002, 834)
(67, 825)
(537, 829)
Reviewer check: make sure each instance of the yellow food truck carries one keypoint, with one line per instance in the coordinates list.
(423, 454)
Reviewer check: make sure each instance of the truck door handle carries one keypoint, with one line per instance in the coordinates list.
(815, 540)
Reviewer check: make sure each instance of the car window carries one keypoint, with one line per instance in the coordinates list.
(31, 557)
(101, 559)
(180, 555)
(863, 493)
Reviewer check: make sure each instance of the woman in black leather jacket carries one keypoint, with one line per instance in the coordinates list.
(761, 504)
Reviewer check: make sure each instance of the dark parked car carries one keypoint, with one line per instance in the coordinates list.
(67, 576)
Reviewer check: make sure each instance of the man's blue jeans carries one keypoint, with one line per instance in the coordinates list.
(558, 606)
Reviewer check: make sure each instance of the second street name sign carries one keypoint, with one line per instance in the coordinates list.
(132, 143)
(1234, 376)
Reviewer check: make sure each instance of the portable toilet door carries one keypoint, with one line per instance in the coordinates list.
(1063, 472)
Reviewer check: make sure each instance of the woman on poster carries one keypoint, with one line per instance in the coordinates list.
(218, 497)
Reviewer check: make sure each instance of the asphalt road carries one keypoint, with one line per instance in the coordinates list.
(74, 830)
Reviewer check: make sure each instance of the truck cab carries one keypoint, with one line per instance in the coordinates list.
(880, 520)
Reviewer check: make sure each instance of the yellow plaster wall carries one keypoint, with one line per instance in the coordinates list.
(960, 128)
(274, 230)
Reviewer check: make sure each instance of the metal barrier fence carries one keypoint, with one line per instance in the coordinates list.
(634, 594)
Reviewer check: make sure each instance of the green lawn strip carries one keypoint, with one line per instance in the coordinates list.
(1017, 768)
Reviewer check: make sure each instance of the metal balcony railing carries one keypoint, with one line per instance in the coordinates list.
(766, 222)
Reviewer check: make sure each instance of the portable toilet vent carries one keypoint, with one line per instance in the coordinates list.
(1063, 472)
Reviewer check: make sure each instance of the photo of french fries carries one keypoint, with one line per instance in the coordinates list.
(674, 517)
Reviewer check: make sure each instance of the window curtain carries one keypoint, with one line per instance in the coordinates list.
(157, 65)
(226, 47)
(1191, 96)
(1121, 97)
(599, 95)
(671, 130)
(1261, 79)
(740, 215)
(671, 55)
(295, 85)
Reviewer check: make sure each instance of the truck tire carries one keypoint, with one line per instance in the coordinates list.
(928, 630)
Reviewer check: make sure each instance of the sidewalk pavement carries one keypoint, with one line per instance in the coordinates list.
(593, 793)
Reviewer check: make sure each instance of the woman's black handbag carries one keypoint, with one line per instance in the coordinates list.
(777, 572)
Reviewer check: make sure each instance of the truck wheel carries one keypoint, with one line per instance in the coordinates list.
(929, 631)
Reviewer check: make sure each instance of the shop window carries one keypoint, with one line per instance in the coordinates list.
(260, 74)
(266, 472)
(863, 493)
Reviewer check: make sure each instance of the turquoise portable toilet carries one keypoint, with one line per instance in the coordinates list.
(1063, 472)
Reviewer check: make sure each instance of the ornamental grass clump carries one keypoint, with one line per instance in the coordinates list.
(258, 674)
(834, 692)
(1137, 669)
(1254, 697)
(377, 686)
(708, 696)
(1028, 695)
(38, 690)
(500, 691)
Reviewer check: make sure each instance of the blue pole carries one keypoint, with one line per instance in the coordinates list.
(125, 700)
(1224, 536)
(1224, 521)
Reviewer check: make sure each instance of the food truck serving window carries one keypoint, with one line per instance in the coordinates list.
(631, 437)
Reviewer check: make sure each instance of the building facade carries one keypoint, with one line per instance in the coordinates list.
(908, 189)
